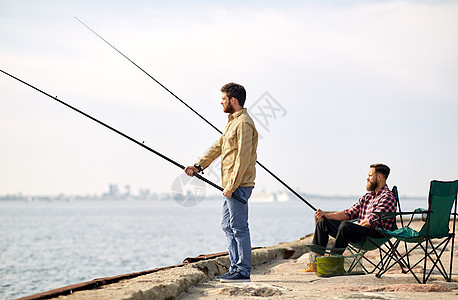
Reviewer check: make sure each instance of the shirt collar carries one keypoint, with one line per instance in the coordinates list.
(236, 114)
(383, 189)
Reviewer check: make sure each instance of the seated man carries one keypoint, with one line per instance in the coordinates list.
(337, 224)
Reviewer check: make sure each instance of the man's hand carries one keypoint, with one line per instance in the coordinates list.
(190, 170)
(319, 214)
(227, 193)
(365, 223)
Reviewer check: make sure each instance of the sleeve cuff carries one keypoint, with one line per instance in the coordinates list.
(202, 164)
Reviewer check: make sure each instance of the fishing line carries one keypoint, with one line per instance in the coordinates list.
(124, 135)
(208, 122)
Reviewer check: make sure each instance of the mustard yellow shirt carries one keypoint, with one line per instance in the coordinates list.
(237, 147)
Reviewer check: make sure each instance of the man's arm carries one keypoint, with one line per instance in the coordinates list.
(207, 159)
(211, 154)
(336, 216)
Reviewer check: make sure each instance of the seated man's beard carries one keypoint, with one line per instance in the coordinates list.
(370, 187)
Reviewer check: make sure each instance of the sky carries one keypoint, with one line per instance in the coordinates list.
(333, 87)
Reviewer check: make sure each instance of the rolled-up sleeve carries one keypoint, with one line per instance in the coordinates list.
(353, 212)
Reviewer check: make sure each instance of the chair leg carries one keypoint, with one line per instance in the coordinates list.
(396, 254)
(436, 262)
(358, 250)
(355, 262)
(426, 260)
(399, 259)
(408, 261)
(451, 254)
(449, 279)
(386, 260)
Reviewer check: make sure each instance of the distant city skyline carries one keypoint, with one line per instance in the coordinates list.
(113, 191)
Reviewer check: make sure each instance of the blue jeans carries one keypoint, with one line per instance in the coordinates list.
(235, 226)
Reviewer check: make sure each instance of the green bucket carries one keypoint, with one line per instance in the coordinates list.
(327, 266)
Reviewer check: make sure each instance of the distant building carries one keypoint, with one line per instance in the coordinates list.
(113, 191)
(126, 190)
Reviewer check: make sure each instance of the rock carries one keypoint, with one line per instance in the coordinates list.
(249, 290)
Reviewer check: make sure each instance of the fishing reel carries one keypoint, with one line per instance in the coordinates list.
(198, 167)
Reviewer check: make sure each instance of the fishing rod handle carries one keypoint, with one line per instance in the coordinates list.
(217, 186)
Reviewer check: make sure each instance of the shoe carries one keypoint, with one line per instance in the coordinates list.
(311, 268)
(227, 274)
(236, 277)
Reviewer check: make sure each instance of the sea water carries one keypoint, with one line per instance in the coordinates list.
(47, 245)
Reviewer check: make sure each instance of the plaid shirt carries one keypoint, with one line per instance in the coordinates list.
(383, 201)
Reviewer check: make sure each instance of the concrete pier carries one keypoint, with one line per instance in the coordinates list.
(277, 274)
(168, 283)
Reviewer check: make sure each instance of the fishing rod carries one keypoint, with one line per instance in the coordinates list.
(208, 122)
(124, 135)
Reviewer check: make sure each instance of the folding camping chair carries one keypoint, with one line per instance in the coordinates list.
(369, 244)
(442, 198)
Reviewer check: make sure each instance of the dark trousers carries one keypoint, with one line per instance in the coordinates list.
(345, 232)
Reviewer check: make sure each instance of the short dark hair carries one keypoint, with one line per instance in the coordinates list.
(235, 90)
(381, 169)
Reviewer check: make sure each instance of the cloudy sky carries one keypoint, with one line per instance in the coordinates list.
(333, 86)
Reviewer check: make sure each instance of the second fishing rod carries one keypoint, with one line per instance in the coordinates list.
(204, 119)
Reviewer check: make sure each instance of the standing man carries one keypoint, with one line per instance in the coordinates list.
(378, 199)
(237, 147)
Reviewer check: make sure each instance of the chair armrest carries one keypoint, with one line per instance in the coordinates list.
(385, 218)
(378, 213)
(391, 215)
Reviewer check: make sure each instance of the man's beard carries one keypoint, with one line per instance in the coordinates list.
(371, 186)
(229, 108)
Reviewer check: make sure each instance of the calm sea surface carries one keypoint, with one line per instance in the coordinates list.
(47, 245)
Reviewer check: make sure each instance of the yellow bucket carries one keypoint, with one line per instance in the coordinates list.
(327, 266)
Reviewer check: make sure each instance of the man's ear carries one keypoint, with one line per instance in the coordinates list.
(234, 100)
